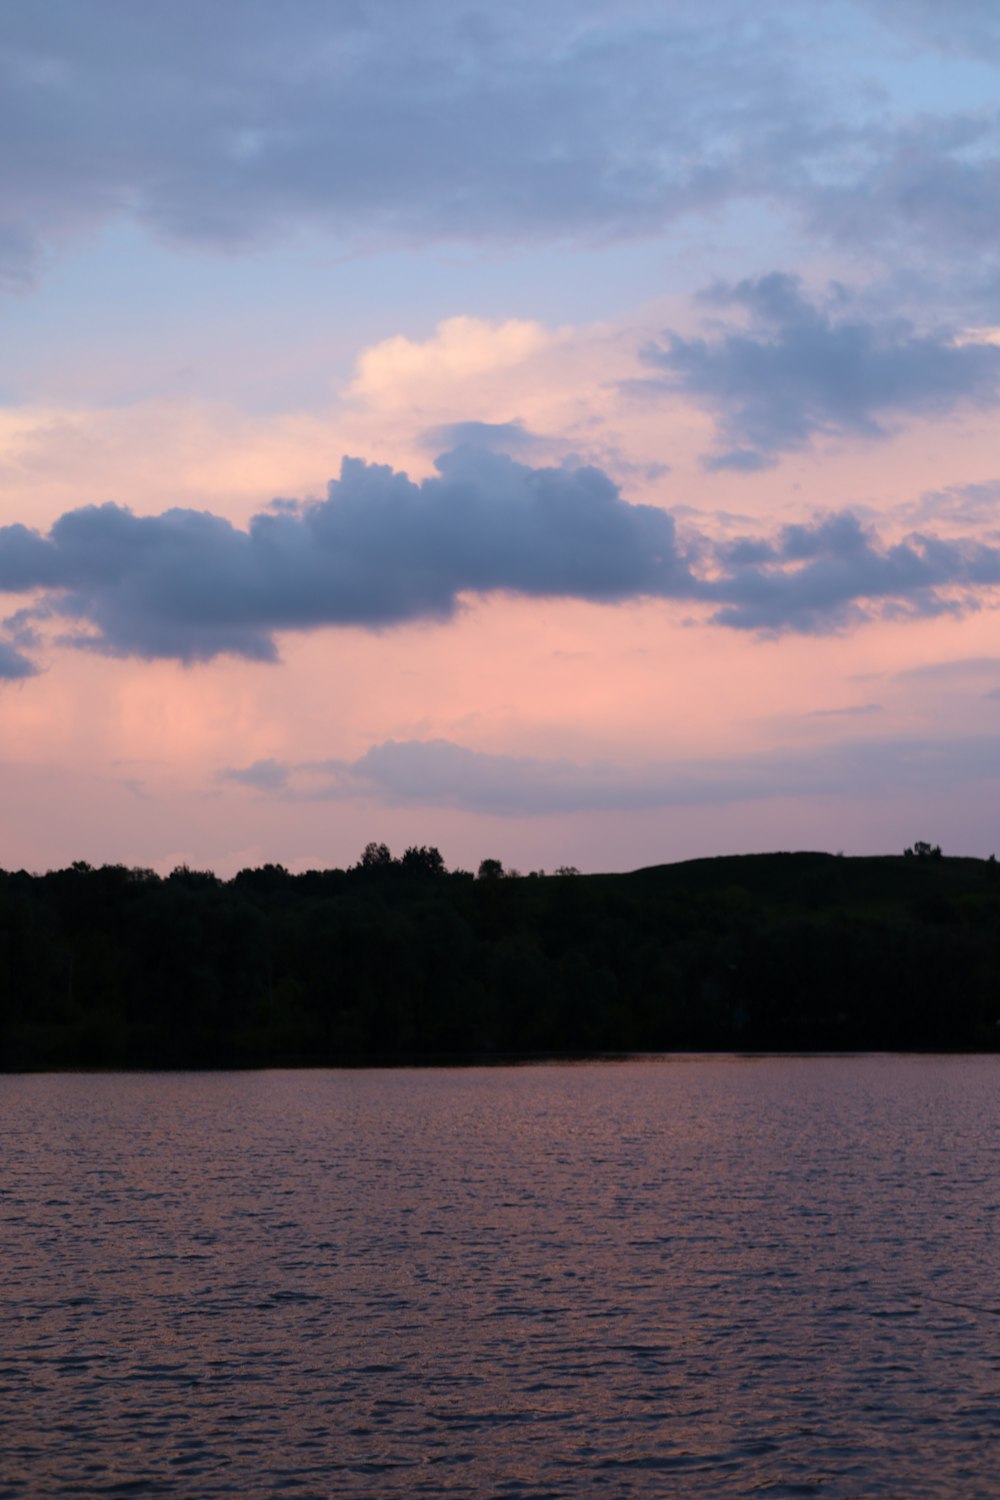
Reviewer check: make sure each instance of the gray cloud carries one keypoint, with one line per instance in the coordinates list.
(380, 550)
(381, 123)
(440, 773)
(800, 369)
(930, 187)
(948, 671)
(854, 710)
(975, 504)
(14, 665)
(383, 550)
(495, 437)
(835, 572)
(739, 461)
(228, 123)
(966, 27)
(264, 775)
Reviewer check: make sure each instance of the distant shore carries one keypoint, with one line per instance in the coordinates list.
(386, 964)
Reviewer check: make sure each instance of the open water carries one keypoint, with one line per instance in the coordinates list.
(684, 1276)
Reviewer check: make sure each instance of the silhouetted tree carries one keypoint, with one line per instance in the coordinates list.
(921, 850)
(119, 967)
(423, 861)
(375, 857)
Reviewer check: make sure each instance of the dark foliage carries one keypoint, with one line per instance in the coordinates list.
(399, 958)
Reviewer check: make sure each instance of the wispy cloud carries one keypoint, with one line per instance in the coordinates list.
(962, 669)
(852, 711)
(975, 504)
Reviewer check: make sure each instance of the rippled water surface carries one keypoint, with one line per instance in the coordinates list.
(692, 1276)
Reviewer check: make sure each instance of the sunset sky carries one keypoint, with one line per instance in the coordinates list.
(561, 432)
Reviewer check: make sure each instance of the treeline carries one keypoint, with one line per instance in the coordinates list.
(400, 958)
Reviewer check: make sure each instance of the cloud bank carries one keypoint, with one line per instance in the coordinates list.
(228, 124)
(440, 773)
(384, 550)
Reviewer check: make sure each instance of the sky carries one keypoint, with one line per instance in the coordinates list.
(559, 433)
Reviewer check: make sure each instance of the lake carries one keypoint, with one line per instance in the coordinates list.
(706, 1276)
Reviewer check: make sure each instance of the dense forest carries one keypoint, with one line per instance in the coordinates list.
(399, 958)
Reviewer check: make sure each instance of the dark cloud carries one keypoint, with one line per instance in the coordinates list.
(383, 550)
(380, 123)
(796, 369)
(835, 572)
(440, 773)
(227, 123)
(14, 665)
(380, 550)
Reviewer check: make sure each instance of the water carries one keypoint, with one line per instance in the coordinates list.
(690, 1276)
